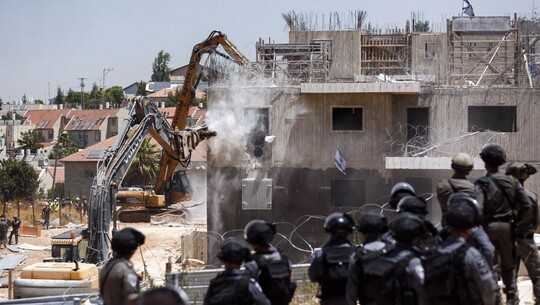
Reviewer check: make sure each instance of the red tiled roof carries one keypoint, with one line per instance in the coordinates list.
(194, 112)
(45, 119)
(60, 173)
(165, 92)
(91, 153)
(89, 119)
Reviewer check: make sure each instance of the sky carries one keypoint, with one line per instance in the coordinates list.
(45, 44)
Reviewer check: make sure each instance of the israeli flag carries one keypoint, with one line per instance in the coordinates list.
(340, 162)
(467, 8)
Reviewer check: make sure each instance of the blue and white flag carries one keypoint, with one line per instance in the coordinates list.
(340, 162)
(467, 8)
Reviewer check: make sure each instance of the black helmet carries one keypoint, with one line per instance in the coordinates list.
(259, 232)
(493, 154)
(372, 223)
(233, 250)
(339, 222)
(406, 227)
(463, 212)
(414, 205)
(126, 241)
(402, 187)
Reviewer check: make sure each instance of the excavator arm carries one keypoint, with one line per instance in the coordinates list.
(144, 119)
(187, 94)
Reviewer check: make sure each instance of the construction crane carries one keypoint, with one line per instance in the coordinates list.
(177, 143)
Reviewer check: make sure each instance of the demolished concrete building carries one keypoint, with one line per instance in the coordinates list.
(395, 105)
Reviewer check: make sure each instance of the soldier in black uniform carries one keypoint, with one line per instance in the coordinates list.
(162, 296)
(526, 247)
(389, 274)
(330, 264)
(234, 286)
(418, 207)
(118, 281)
(456, 273)
(268, 266)
(15, 226)
(507, 213)
(372, 225)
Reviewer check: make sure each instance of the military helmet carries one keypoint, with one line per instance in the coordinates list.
(406, 227)
(402, 187)
(127, 240)
(493, 154)
(463, 211)
(233, 250)
(414, 205)
(339, 222)
(372, 223)
(521, 171)
(259, 232)
(462, 161)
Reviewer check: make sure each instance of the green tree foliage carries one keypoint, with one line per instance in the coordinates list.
(141, 88)
(73, 98)
(172, 99)
(160, 68)
(95, 97)
(24, 99)
(114, 95)
(63, 147)
(59, 99)
(18, 180)
(39, 102)
(30, 139)
(145, 166)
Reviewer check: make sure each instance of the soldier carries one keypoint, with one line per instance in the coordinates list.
(269, 267)
(526, 247)
(418, 207)
(4, 226)
(374, 228)
(383, 274)
(46, 214)
(456, 273)
(118, 282)
(234, 286)
(330, 264)
(399, 191)
(507, 214)
(15, 226)
(462, 165)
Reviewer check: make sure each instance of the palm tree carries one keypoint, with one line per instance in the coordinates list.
(145, 164)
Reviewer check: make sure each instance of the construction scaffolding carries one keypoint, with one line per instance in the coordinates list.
(388, 54)
(295, 62)
(483, 51)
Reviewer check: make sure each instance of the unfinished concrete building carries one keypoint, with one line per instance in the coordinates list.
(395, 105)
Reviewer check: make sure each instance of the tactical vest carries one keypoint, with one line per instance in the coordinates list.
(385, 278)
(336, 269)
(498, 206)
(226, 290)
(445, 281)
(275, 279)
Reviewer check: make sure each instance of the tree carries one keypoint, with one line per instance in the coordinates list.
(63, 147)
(38, 102)
(24, 99)
(18, 180)
(114, 95)
(141, 88)
(73, 99)
(59, 99)
(145, 165)
(95, 97)
(172, 99)
(160, 68)
(31, 140)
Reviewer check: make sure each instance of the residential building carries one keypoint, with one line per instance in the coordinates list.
(131, 90)
(49, 123)
(87, 127)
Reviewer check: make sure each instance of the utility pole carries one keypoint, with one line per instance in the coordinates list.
(105, 72)
(82, 91)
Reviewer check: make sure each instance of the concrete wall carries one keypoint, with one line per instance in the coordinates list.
(85, 138)
(429, 56)
(78, 178)
(345, 50)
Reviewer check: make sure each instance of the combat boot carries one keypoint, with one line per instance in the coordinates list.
(512, 298)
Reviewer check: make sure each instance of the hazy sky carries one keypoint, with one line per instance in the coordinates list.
(54, 42)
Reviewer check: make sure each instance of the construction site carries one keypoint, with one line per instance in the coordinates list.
(393, 104)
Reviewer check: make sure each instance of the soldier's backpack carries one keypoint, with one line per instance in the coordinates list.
(385, 278)
(444, 275)
(226, 290)
(336, 261)
(275, 278)
(498, 206)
